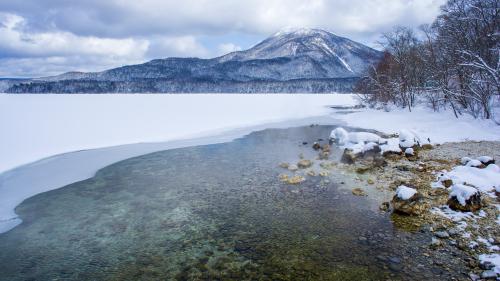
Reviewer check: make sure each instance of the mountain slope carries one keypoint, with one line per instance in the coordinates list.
(293, 61)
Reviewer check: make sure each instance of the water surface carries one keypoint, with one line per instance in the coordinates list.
(213, 212)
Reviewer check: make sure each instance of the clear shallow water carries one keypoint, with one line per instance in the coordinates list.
(214, 212)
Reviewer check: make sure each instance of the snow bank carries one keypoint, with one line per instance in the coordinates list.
(405, 193)
(486, 180)
(440, 127)
(462, 193)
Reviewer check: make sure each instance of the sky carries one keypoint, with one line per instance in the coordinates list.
(48, 37)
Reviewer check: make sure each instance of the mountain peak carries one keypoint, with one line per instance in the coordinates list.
(315, 49)
(301, 32)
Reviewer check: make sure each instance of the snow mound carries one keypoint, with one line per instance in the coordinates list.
(485, 159)
(342, 137)
(409, 151)
(391, 145)
(408, 138)
(474, 163)
(486, 180)
(465, 160)
(405, 193)
(462, 193)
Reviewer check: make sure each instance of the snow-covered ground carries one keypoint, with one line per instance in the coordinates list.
(440, 127)
(75, 135)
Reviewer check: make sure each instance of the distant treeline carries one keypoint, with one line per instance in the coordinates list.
(188, 86)
(452, 63)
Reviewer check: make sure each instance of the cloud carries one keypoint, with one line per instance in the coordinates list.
(178, 46)
(130, 31)
(226, 48)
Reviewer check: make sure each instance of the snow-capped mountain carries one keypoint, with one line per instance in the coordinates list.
(318, 53)
(304, 60)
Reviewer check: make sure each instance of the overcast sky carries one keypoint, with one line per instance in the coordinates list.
(48, 37)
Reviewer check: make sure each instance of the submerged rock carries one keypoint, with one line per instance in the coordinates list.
(291, 180)
(304, 164)
(359, 192)
(311, 173)
(284, 165)
(316, 146)
(296, 180)
(384, 206)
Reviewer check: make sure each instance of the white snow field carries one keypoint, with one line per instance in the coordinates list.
(76, 135)
(440, 127)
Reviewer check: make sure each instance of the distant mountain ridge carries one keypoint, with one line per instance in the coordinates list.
(304, 60)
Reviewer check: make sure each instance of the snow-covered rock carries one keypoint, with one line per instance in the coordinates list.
(474, 163)
(391, 146)
(486, 160)
(408, 201)
(342, 137)
(465, 160)
(464, 198)
(405, 193)
(408, 139)
(409, 151)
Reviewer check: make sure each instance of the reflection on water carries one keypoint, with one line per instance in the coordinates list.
(215, 212)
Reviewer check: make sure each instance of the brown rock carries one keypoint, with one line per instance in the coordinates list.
(427, 146)
(447, 183)
(471, 205)
(385, 206)
(326, 148)
(323, 155)
(414, 206)
(316, 146)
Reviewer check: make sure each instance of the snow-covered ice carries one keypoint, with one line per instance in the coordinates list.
(38, 126)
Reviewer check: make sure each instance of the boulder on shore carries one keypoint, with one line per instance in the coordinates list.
(408, 201)
(464, 198)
